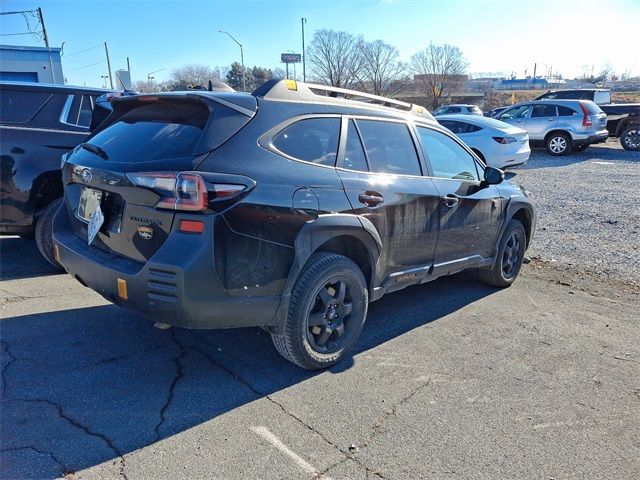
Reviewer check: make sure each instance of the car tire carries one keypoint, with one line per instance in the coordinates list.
(630, 138)
(44, 234)
(326, 314)
(509, 259)
(558, 144)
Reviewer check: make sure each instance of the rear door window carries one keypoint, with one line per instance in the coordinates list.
(154, 132)
(447, 158)
(21, 106)
(543, 111)
(354, 156)
(520, 111)
(312, 140)
(389, 147)
(566, 111)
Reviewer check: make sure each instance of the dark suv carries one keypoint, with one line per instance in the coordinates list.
(290, 209)
(38, 123)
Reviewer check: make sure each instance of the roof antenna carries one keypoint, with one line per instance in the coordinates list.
(210, 86)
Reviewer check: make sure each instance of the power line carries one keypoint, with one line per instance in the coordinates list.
(82, 51)
(86, 66)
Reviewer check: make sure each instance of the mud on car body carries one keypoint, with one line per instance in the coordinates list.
(290, 209)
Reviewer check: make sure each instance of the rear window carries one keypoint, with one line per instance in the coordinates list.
(154, 132)
(591, 107)
(459, 127)
(21, 106)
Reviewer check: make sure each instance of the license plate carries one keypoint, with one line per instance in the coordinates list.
(89, 211)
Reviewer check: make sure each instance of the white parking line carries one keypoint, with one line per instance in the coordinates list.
(276, 442)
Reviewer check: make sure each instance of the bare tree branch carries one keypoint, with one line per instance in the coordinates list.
(196, 75)
(380, 72)
(334, 58)
(440, 70)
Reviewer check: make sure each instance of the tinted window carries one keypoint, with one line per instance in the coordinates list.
(153, 132)
(312, 140)
(20, 107)
(354, 158)
(80, 111)
(454, 110)
(447, 158)
(515, 112)
(459, 127)
(566, 112)
(389, 147)
(543, 111)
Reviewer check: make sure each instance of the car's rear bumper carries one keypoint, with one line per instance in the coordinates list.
(179, 285)
(511, 160)
(598, 137)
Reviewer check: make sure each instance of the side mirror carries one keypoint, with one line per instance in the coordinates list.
(493, 176)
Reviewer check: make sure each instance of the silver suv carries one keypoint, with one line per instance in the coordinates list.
(560, 125)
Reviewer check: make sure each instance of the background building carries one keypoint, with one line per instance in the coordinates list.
(30, 64)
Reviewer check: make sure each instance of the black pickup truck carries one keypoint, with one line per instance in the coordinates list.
(623, 119)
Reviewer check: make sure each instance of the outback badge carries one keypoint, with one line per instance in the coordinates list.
(145, 232)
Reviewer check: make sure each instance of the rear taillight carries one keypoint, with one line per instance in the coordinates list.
(586, 118)
(505, 140)
(187, 191)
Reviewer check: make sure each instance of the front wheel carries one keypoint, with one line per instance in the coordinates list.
(44, 234)
(630, 138)
(327, 310)
(508, 261)
(558, 144)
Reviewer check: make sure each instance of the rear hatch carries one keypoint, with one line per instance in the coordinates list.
(129, 169)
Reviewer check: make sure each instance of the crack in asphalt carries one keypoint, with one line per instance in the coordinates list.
(80, 426)
(177, 377)
(5, 345)
(63, 467)
(347, 455)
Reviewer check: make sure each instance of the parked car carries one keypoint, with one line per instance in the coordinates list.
(497, 143)
(462, 109)
(623, 119)
(289, 209)
(38, 122)
(561, 126)
(494, 113)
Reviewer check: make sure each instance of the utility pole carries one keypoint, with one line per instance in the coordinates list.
(106, 51)
(46, 43)
(304, 57)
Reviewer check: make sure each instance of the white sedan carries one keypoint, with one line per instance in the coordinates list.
(499, 144)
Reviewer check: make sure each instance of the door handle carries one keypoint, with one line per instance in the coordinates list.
(450, 200)
(370, 199)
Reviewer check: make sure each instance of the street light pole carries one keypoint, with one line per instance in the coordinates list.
(304, 57)
(244, 82)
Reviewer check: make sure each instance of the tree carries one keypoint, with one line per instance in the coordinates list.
(257, 76)
(195, 75)
(439, 70)
(234, 76)
(150, 86)
(381, 72)
(334, 58)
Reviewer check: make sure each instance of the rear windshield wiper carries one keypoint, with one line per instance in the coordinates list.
(95, 149)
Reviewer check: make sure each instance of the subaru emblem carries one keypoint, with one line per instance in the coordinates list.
(86, 175)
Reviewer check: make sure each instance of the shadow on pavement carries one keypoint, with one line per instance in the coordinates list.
(83, 386)
(20, 258)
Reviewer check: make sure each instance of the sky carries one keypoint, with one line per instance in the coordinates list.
(566, 36)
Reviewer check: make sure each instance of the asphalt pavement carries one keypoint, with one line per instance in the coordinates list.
(450, 380)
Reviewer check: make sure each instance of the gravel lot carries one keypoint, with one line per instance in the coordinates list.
(588, 212)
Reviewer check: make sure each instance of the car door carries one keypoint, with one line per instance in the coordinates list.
(382, 177)
(543, 119)
(516, 115)
(470, 213)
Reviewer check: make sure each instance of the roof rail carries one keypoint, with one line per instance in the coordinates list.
(293, 90)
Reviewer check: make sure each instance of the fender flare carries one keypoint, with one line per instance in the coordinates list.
(313, 235)
(516, 204)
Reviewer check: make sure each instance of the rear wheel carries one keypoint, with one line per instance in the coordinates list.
(327, 310)
(558, 144)
(630, 138)
(43, 232)
(509, 258)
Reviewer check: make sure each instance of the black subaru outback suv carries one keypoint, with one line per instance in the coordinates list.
(290, 209)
